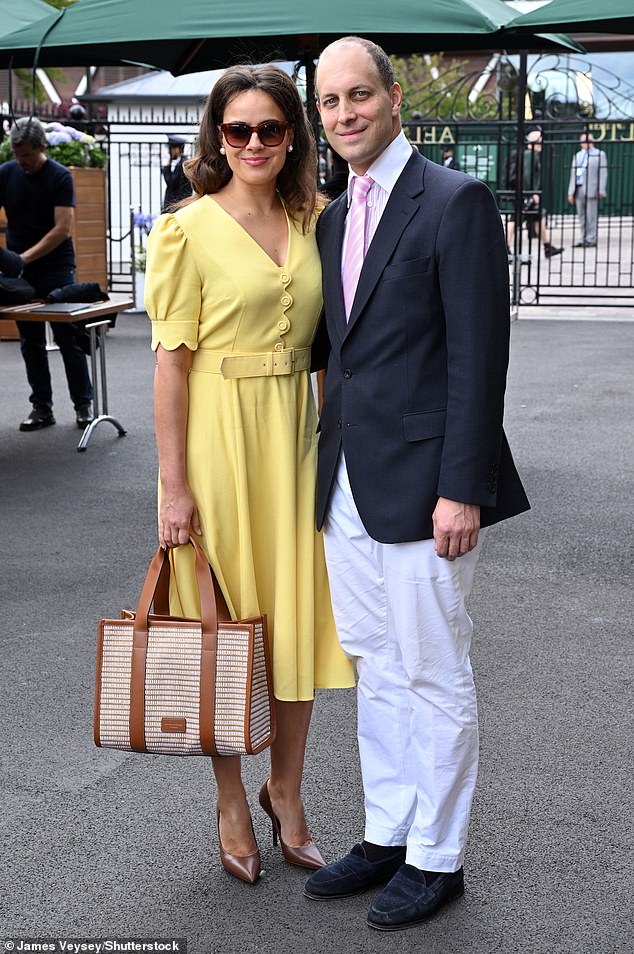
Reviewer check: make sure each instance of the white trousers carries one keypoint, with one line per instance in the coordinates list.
(400, 614)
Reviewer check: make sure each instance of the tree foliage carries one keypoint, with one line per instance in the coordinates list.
(438, 88)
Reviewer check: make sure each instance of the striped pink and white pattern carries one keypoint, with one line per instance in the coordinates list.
(355, 248)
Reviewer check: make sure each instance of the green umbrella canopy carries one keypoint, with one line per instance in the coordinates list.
(199, 34)
(615, 16)
(17, 14)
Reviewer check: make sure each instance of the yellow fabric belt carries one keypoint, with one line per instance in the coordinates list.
(264, 365)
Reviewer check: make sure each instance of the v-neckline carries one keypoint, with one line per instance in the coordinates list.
(255, 241)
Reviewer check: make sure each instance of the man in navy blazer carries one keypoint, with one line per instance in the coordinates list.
(413, 462)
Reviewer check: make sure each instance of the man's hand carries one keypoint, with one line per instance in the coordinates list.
(456, 527)
(571, 199)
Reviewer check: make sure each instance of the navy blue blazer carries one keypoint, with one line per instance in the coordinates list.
(414, 390)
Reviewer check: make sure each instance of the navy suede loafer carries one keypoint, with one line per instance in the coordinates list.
(412, 896)
(352, 875)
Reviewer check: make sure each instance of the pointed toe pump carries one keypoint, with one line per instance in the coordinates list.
(306, 856)
(245, 867)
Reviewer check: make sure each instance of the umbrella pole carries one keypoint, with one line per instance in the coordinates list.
(308, 62)
(519, 186)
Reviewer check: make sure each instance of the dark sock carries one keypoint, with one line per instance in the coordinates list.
(425, 877)
(379, 852)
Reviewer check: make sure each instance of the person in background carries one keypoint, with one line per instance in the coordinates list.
(533, 212)
(448, 159)
(38, 198)
(177, 185)
(413, 461)
(337, 181)
(588, 183)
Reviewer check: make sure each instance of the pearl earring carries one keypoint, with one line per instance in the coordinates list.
(289, 148)
(223, 151)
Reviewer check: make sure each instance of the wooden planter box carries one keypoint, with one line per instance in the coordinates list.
(89, 233)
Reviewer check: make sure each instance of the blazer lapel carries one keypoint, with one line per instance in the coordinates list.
(396, 216)
(331, 244)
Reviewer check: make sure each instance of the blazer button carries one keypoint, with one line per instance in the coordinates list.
(339, 425)
(347, 373)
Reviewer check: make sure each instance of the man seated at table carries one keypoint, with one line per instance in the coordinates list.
(38, 197)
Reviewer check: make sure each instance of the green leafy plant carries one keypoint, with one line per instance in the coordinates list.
(73, 153)
(77, 153)
(140, 260)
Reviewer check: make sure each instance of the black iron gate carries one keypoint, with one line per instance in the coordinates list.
(474, 114)
(549, 261)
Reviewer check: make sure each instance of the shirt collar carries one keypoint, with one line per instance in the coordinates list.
(387, 168)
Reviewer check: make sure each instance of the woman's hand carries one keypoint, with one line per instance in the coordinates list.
(178, 516)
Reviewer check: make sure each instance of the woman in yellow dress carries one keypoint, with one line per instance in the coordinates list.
(233, 288)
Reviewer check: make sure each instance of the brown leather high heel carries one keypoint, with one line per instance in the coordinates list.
(307, 856)
(245, 867)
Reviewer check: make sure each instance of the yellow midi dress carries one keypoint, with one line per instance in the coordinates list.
(251, 441)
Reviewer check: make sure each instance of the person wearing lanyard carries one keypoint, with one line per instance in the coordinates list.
(587, 184)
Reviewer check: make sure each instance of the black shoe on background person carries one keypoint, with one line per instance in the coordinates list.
(38, 418)
(412, 896)
(84, 416)
(550, 250)
(353, 874)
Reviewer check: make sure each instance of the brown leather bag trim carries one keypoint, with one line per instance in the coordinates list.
(139, 653)
(137, 699)
(97, 716)
(209, 626)
(162, 591)
(269, 679)
(249, 689)
(207, 705)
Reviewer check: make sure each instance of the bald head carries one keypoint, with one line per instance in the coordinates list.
(376, 53)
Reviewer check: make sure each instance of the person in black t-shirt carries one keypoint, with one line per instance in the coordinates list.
(38, 198)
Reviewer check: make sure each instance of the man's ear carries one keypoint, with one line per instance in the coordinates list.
(396, 97)
(318, 104)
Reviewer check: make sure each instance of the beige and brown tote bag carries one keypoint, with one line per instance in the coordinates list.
(176, 686)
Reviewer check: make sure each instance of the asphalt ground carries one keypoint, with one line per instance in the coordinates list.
(98, 843)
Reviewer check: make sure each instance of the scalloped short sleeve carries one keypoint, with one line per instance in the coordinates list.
(172, 286)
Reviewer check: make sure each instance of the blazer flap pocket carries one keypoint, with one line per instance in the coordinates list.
(414, 266)
(421, 425)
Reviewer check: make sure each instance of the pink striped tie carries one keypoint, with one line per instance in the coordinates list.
(355, 244)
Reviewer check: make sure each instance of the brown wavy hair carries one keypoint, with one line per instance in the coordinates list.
(208, 170)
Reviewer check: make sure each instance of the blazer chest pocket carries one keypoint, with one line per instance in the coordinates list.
(421, 425)
(413, 267)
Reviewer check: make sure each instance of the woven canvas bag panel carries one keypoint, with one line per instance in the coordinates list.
(232, 672)
(116, 667)
(260, 719)
(172, 688)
